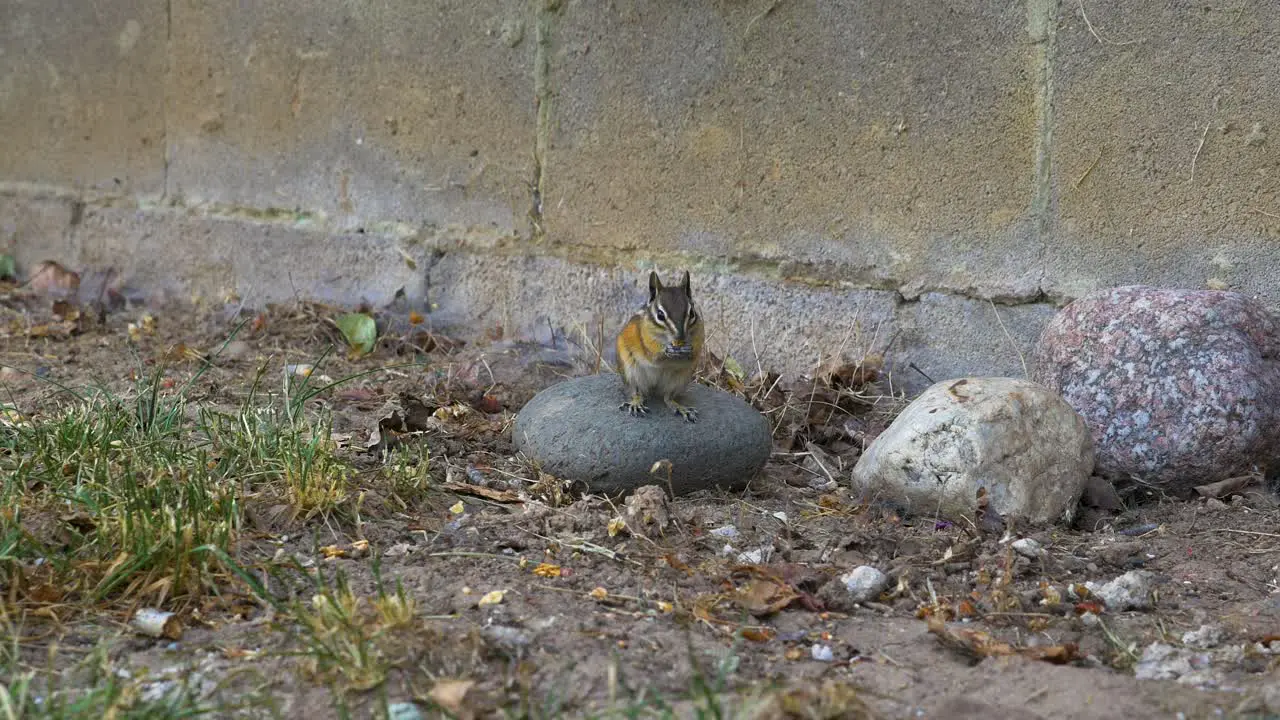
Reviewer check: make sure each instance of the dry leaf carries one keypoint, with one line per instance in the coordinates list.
(616, 526)
(1228, 487)
(450, 694)
(332, 551)
(547, 570)
(759, 635)
(50, 278)
(979, 644)
(763, 597)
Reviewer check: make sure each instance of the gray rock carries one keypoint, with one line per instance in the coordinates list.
(861, 585)
(1206, 637)
(647, 508)
(1100, 493)
(1028, 548)
(403, 711)
(1178, 387)
(864, 583)
(575, 431)
(1130, 591)
(1161, 661)
(1014, 439)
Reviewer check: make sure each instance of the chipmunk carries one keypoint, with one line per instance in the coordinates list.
(659, 346)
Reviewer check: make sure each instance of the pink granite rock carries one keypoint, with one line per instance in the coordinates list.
(1178, 387)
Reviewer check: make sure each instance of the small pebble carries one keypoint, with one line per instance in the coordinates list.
(397, 550)
(864, 583)
(403, 711)
(822, 653)
(1207, 636)
(1130, 591)
(1028, 548)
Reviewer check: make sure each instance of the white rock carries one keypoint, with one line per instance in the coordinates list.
(1021, 442)
(1207, 636)
(1130, 591)
(727, 531)
(822, 653)
(864, 583)
(1165, 662)
(398, 549)
(1028, 548)
(404, 711)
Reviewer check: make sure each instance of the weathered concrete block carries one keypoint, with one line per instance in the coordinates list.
(82, 94)
(38, 228)
(786, 327)
(880, 143)
(948, 336)
(180, 255)
(1165, 147)
(410, 112)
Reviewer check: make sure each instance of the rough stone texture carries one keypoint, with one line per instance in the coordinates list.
(1028, 548)
(980, 338)
(34, 229)
(880, 142)
(575, 431)
(82, 94)
(1130, 591)
(408, 112)
(1169, 87)
(864, 583)
(859, 585)
(228, 255)
(1019, 441)
(1179, 388)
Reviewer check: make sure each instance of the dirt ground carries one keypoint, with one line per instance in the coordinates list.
(530, 601)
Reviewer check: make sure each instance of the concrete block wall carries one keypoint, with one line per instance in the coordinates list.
(935, 177)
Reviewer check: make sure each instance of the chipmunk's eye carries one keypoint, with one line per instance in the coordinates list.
(693, 318)
(660, 316)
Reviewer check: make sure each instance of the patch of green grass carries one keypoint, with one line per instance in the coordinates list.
(112, 502)
(108, 496)
(341, 634)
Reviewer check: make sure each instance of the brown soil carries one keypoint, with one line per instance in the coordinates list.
(595, 616)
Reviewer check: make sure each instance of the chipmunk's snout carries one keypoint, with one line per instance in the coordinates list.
(679, 349)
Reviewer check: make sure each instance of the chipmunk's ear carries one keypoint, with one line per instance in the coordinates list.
(655, 285)
(684, 283)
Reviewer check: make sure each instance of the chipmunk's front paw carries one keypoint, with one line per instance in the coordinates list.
(688, 412)
(635, 406)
